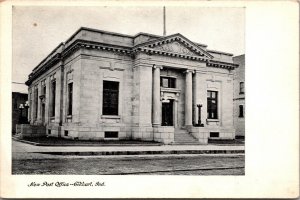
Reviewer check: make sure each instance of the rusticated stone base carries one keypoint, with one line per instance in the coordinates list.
(163, 134)
(26, 130)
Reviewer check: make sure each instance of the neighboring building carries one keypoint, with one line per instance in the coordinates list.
(102, 85)
(239, 96)
(19, 115)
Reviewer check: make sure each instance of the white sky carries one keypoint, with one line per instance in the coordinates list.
(38, 30)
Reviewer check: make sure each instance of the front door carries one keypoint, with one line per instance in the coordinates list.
(167, 113)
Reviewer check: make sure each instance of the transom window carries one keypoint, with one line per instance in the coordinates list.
(110, 97)
(212, 104)
(168, 82)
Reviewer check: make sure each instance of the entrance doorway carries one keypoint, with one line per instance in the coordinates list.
(167, 113)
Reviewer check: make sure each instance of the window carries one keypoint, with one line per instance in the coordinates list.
(53, 92)
(168, 82)
(110, 97)
(214, 134)
(241, 111)
(242, 89)
(44, 90)
(212, 105)
(70, 98)
(111, 134)
(36, 99)
(66, 133)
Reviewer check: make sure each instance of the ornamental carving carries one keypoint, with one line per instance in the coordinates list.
(175, 47)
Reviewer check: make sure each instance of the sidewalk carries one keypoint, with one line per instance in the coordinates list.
(19, 147)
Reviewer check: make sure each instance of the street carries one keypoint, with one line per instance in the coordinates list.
(37, 163)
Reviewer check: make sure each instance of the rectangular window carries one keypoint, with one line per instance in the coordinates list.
(214, 134)
(212, 105)
(241, 111)
(53, 92)
(36, 99)
(168, 82)
(44, 90)
(70, 98)
(242, 89)
(111, 134)
(110, 97)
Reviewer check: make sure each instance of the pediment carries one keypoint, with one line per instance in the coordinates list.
(175, 47)
(176, 44)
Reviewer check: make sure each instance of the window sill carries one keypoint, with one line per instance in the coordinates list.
(213, 120)
(52, 117)
(110, 116)
(69, 117)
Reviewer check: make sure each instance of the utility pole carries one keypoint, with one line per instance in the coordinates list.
(164, 21)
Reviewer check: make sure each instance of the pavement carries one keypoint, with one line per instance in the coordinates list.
(20, 147)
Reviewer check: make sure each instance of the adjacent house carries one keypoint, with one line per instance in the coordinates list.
(239, 96)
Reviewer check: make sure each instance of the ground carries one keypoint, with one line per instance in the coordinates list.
(36, 163)
(31, 159)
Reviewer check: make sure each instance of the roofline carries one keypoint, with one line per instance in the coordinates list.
(220, 52)
(239, 56)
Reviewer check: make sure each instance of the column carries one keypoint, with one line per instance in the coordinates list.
(195, 98)
(188, 98)
(39, 88)
(156, 96)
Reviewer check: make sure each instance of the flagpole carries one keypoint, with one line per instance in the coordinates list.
(164, 18)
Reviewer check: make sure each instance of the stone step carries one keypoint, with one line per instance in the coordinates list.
(181, 136)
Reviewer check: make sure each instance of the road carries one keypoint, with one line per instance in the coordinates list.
(38, 163)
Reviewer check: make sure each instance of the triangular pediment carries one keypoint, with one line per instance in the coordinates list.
(176, 44)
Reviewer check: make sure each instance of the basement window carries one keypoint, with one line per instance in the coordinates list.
(214, 134)
(111, 134)
(66, 133)
(49, 131)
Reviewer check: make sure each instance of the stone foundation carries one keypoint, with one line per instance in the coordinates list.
(26, 130)
(164, 134)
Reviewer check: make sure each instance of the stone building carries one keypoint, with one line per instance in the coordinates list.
(239, 96)
(101, 85)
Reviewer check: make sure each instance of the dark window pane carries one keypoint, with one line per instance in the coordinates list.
(70, 98)
(168, 82)
(241, 111)
(242, 88)
(36, 103)
(110, 97)
(111, 134)
(212, 105)
(53, 92)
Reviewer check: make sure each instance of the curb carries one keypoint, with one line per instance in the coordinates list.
(81, 145)
(93, 153)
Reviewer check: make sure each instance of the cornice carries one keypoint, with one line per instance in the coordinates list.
(123, 50)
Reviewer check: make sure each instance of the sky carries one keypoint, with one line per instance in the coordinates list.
(38, 30)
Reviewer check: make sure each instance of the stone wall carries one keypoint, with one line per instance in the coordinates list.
(27, 130)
